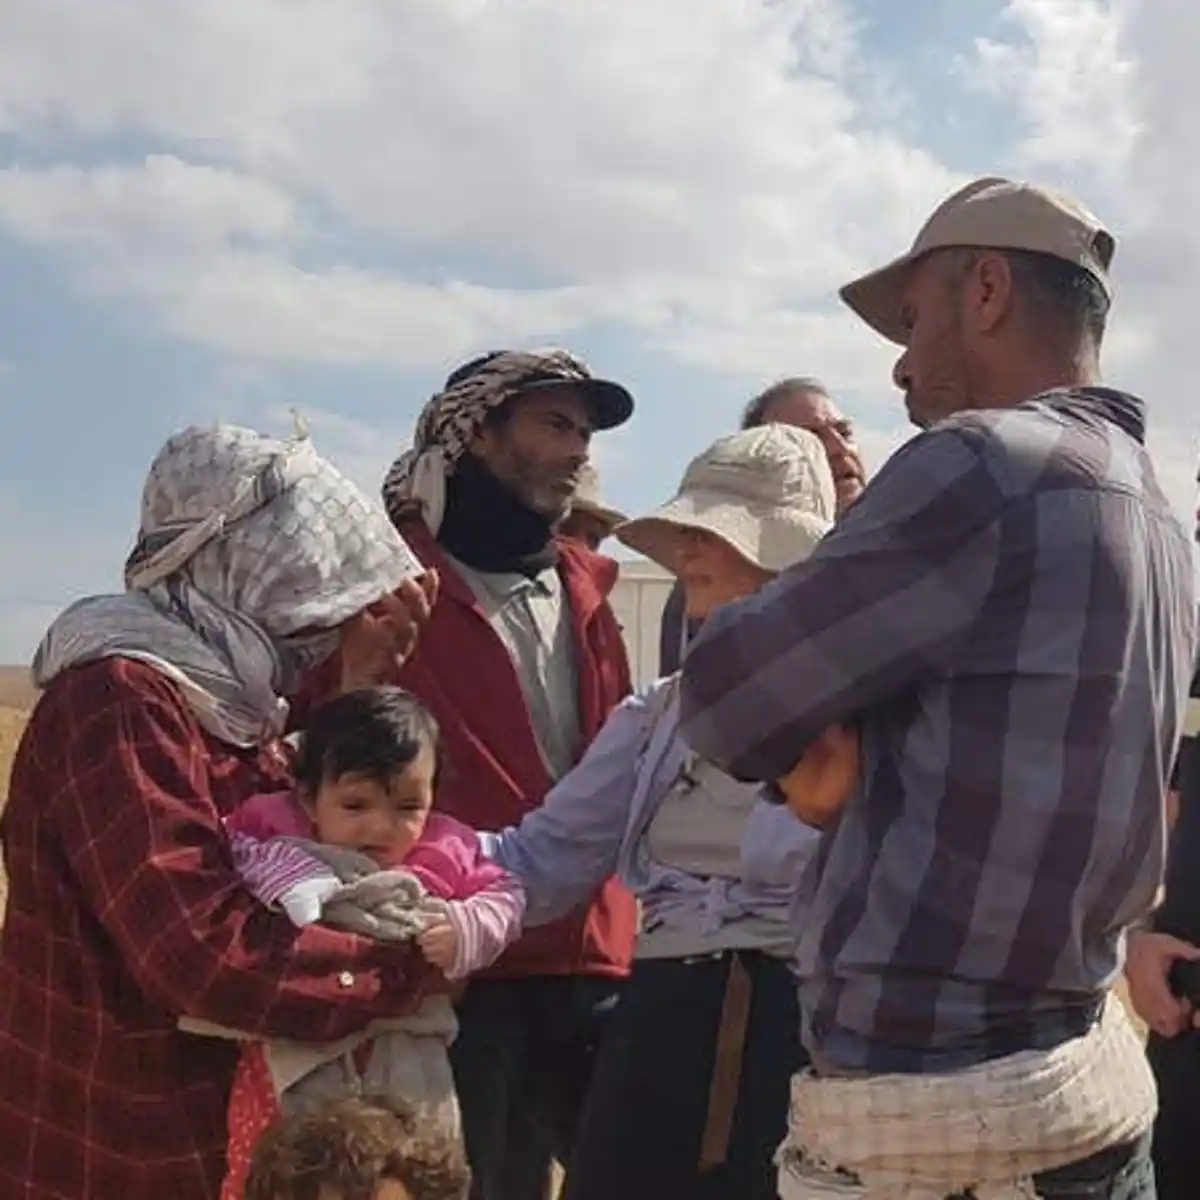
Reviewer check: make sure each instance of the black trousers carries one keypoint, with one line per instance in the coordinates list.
(1176, 1065)
(640, 1138)
(522, 1064)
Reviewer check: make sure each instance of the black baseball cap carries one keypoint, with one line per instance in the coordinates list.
(522, 371)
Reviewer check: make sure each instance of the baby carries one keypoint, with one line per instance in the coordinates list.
(357, 844)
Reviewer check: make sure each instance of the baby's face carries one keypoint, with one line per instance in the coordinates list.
(377, 819)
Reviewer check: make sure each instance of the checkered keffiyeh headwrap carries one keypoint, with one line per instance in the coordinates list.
(449, 420)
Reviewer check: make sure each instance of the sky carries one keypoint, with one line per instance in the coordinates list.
(240, 207)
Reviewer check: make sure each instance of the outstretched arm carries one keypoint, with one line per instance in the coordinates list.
(562, 851)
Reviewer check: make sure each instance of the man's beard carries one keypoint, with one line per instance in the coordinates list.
(540, 492)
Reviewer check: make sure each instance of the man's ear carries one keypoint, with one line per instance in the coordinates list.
(482, 442)
(989, 292)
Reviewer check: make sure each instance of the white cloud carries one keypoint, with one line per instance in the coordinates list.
(1069, 72)
(223, 74)
(1104, 91)
(633, 161)
(765, 341)
(563, 138)
(261, 306)
(189, 240)
(164, 205)
(366, 182)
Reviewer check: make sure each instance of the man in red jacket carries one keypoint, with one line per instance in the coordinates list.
(521, 663)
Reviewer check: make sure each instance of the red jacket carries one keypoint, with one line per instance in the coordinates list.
(494, 770)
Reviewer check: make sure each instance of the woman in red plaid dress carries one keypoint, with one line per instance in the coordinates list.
(161, 712)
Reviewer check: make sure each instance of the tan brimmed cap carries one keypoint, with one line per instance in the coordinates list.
(766, 491)
(994, 214)
(588, 499)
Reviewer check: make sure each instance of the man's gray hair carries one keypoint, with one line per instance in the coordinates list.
(755, 413)
(1063, 294)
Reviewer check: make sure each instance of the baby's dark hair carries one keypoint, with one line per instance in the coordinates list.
(349, 1148)
(373, 732)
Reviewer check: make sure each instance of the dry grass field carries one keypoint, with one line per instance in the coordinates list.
(16, 698)
(12, 721)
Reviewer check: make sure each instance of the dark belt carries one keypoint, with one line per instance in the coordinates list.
(726, 1079)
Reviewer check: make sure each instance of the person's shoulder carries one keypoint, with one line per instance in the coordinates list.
(980, 432)
(88, 719)
(1014, 450)
(938, 467)
(1030, 444)
(110, 689)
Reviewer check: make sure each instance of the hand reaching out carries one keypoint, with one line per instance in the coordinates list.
(439, 943)
(1149, 958)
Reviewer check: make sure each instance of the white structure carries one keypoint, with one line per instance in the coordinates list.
(638, 599)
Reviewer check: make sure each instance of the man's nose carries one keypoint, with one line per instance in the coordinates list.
(900, 375)
(581, 441)
(836, 442)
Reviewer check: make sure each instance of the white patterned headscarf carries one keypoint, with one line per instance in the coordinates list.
(450, 420)
(252, 551)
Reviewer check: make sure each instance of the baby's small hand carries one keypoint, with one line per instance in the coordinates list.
(439, 943)
(818, 787)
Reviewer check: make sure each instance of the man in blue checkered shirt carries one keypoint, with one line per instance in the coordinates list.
(1007, 618)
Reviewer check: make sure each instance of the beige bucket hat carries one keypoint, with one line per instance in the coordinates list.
(766, 491)
(994, 214)
(588, 499)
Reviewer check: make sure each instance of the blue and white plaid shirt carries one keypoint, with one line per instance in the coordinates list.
(1008, 614)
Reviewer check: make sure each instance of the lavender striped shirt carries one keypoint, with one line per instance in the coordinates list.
(1008, 614)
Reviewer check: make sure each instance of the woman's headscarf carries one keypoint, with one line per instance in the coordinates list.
(245, 542)
(449, 421)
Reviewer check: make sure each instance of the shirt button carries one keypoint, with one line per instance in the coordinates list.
(346, 979)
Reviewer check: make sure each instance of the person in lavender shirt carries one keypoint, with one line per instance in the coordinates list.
(690, 1095)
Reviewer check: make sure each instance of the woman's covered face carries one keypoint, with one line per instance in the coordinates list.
(713, 573)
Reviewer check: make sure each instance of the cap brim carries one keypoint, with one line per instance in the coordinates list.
(773, 540)
(878, 298)
(609, 515)
(611, 404)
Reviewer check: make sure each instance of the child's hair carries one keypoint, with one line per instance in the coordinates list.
(374, 732)
(350, 1148)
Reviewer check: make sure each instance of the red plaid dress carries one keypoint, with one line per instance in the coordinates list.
(124, 913)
